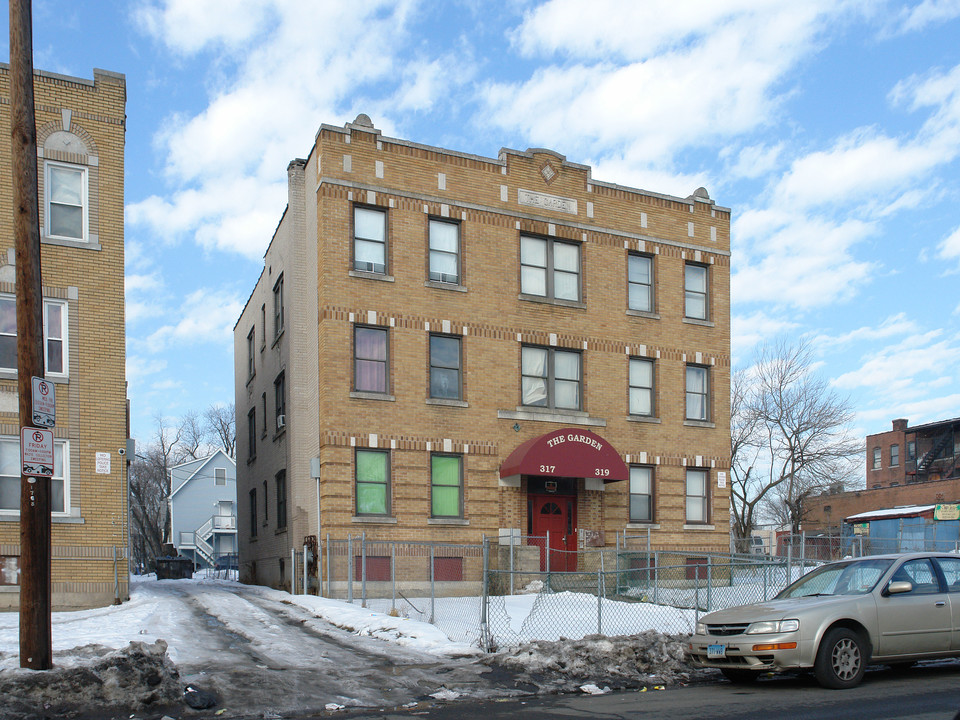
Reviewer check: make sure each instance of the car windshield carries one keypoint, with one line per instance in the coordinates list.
(851, 577)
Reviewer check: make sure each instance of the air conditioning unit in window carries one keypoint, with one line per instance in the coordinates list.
(281, 421)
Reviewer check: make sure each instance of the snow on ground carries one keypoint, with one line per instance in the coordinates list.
(563, 656)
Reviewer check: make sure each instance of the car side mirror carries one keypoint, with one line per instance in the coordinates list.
(897, 587)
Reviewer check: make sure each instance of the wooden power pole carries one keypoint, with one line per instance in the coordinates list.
(36, 641)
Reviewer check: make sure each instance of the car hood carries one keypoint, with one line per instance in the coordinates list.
(776, 609)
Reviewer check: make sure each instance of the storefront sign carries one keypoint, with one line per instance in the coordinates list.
(947, 512)
(568, 453)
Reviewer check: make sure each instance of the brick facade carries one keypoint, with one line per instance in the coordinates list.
(493, 202)
(81, 126)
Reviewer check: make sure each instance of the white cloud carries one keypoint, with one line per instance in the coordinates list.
(906, 370)
(928, 12)
(747, 331)
(893, 326)
(205, 316)
(284, 68)
(949, 248)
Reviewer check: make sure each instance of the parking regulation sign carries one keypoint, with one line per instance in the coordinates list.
(44, 403)
(36, 452)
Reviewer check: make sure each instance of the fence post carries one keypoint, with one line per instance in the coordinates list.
(329, 581)
(766, 568)
(350, 568)
(600, 600)
(656, 575)
(305, 583)
(433, 593)
(803, 550)
(393, 576)
(514, 542)
(709, 580)
(484, 627)
(546, 550)
(363, 569)
(293, 571)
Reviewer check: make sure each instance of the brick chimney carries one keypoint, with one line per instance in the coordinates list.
(900, 425)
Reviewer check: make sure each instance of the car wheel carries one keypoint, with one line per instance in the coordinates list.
(740, 677)
(841, 659)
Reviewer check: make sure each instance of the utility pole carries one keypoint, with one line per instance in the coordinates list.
(36, 641)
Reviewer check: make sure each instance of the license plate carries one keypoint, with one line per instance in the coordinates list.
(716, 651)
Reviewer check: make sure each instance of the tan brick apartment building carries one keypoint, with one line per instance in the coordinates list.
(81, 127)
(443, 347)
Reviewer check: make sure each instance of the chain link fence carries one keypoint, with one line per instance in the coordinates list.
(502, 593)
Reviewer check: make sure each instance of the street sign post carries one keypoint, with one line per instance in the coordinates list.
(44, 403)
(36, 452)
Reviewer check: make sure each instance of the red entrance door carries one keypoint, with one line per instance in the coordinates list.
(555, 514)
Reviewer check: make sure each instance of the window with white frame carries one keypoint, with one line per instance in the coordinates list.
(220, 476)
(894, 455)
(65, 204)
(278, 307)
(641, 493)
(877, 462)
(697, 493)
(54, 335)
(549, 268)
(369, 240)
(10, 476)
(370, 359)
(695, 300)
(641, 387)
(445, 371)
(444, 252)
(640, 282)
(550, 378)
(373, 482)
(446, 486)
(698, 393)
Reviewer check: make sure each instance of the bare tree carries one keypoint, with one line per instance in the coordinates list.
(193, 436)
(789, 436)
(147, 507)
(221, 426)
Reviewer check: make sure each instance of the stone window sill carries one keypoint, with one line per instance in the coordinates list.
(370, 275)
(566, 417)
(374, 519)
(360, 395)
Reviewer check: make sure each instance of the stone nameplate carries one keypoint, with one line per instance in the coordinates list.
(547, 202)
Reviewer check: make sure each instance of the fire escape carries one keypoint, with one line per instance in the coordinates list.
(941, 459)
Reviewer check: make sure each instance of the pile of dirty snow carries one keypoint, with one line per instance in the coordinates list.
(136, 678)
(628, 661)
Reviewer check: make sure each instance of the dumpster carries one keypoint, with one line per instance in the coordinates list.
(174, 568)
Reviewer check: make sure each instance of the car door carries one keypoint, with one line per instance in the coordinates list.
(916, 622)
(950, 567)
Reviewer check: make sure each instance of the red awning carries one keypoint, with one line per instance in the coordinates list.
(566, 453)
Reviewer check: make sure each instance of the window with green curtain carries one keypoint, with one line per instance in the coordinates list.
(373, 483)
(445, 484)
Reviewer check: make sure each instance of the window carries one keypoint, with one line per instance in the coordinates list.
(266, 505)
(369, 359)
(920, 574)
(640, 282)
(369, 240)
(549, 268)
(641, 493)
(894, 455)
(280, 398)
(698, 393)
(251, 365)
(253, 513)
(951, 572)
(446, 486)
(697, 496)
(263, 326)
(877, 462)
(54, 335)
(10, 476)
(220, 476)
(373, 482)
(912, 450)
(641, 387)
(550, 378)
(65, 210)
(445, 379)
(695, 291)
(444, 252)
(281, 479)
(263, 407)
(278, 307)
(252, 434)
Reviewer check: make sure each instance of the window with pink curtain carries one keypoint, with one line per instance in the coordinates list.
(370, 359)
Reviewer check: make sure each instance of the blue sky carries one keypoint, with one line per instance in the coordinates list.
(830, 127)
